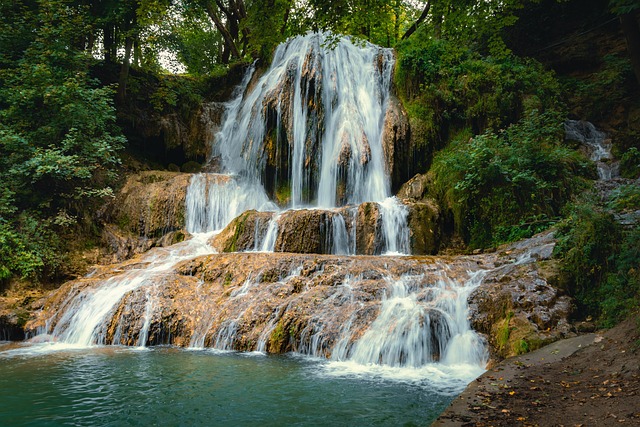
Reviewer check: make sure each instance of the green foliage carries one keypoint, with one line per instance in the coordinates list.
(28, 249)
(601, 259)
(502, 186)
(594, 97)
(176, 93)
(447, 88)
(58, 140)
(625, 197)
(630, 163)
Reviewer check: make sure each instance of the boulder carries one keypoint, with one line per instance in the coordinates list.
(150, 204)
(368, 229)
(243, 233)
(517, 307)
(425, 227)
(395, 141)
(416, 188)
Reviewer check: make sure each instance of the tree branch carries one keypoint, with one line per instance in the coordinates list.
(412, 29)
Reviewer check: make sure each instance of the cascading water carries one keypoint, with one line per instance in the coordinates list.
(597, 143)
(311, 127)
(329, 104)
(323, 110)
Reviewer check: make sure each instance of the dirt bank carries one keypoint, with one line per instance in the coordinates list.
(590, 380)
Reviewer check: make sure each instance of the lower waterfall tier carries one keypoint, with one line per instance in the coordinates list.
(393, 311)
(317, 305)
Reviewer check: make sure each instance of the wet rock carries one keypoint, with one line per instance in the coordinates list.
(123, 245)
(243, 233)
(304, 231)
(424, 227)
(416, 188)
(368, 229)
(516, 307)
(395, 140)
(150, 204)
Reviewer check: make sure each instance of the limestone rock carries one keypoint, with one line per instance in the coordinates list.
(416, 188)
(425, 227)
(242, 232)
(123, 245)
(395, 141)
(516, 307)
(368, 229)
(150, 204)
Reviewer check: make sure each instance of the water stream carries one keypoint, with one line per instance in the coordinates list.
(371, 346)
(597, 144)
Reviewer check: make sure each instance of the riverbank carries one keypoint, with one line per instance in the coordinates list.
(589, 380)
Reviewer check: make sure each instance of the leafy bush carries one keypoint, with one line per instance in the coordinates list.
(447, 87)
(508, 185)
(600, 262)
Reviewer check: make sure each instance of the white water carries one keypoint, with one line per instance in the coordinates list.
(214, 200)
(419, 326)
(598, 145)
(330, 107)
(87, 313)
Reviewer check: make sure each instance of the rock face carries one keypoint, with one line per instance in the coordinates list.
(516, 307)
(124, 245)
(280, 302)
(243, 233)
(347, 230)
(395, 141)
(150, 204)
(416, 188)
(425, 227)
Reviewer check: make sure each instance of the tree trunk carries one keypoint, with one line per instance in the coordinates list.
(629, 24)
(228, 40)
(124, 70)
(108, 43)
(412, 29)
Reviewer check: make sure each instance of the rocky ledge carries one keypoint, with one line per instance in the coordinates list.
(279, 302)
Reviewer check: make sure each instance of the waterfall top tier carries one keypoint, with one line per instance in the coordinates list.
(310, 128)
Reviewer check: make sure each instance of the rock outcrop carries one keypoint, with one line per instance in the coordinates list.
(317, 230)
(395, 141)
(280, 302)
(516, 307)
(150, 204)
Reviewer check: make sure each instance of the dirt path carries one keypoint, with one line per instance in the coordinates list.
(590, 380)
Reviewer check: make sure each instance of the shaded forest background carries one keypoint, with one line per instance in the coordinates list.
(487, 86)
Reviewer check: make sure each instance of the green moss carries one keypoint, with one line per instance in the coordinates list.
(239, 230)
(521, 347)
(277, 338)
(502, 335)
(227, 279)
(283, 194)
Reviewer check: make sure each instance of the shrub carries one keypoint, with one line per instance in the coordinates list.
(508, 185)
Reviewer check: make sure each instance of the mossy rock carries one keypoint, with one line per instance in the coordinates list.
(191, 167)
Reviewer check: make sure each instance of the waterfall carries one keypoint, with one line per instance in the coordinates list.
(88, 313)
(418, 325)
(214, 200)
(328, 106)
(598, 145)
(311, 127)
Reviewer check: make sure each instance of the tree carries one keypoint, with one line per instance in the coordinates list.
(627, 11)
(58, 140)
